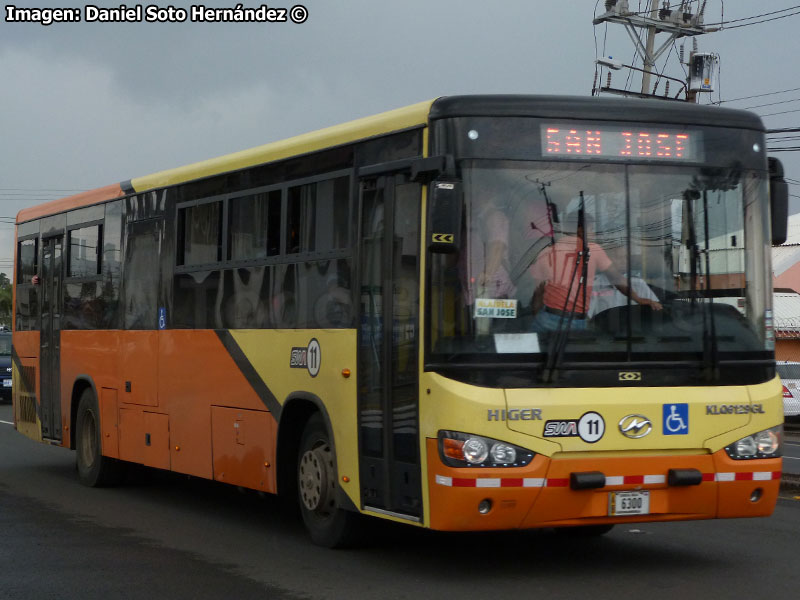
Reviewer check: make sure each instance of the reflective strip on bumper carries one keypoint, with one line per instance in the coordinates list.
(614, 480)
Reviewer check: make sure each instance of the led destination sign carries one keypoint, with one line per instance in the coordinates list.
(632, 143)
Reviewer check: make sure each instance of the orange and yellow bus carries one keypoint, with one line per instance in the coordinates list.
(473, 313)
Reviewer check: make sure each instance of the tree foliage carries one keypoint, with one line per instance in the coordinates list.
(6, 299)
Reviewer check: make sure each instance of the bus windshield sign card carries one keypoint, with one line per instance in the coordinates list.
(496, 308)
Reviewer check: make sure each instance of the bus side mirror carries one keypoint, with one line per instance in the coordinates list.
(444, 215)
(778, 201)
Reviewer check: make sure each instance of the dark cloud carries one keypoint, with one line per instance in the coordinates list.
(92, 103)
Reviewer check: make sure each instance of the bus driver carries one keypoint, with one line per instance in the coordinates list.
(561, 281)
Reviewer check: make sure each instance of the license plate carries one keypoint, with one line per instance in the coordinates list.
(7, 383)
(628, 503)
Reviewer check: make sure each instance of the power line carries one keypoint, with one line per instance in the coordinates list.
(785, 112)
(757, 96)
(774, 12)
(765, 20)
(772, 104)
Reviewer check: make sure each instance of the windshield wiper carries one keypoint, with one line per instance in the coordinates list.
(710, 345)
(558, 342)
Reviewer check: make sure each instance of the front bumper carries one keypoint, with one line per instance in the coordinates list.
(540, 494)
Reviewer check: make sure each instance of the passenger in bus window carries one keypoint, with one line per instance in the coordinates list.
(487, 265)
(560, 292)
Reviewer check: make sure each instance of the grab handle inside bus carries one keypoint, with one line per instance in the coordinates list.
(778, 200)
(444, 215)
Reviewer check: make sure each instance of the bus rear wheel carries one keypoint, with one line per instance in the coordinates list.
(328, 524)
(94, 469)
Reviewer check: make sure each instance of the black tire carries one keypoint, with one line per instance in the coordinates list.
(586, 530)
(94, 469)
(317, 489)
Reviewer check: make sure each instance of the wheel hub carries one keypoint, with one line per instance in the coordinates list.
(89, 440)
(315, 478)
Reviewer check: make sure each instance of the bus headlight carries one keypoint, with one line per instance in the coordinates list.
(475, 450)
(458, 449)
(503, 453)
(764, 444)
(768, 442)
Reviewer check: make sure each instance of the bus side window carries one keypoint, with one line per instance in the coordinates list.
(254, 223)
(319, 214)
(200, 234)
(84, 251)
(141, 279)
(27, 307)
(28, 260)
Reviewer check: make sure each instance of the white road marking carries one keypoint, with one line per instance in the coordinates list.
(6, 423)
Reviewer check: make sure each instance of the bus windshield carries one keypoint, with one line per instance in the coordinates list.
(565, 262)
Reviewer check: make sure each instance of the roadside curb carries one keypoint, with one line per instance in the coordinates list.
(790, 481)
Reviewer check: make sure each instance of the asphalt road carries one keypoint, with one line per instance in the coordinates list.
(165, 536)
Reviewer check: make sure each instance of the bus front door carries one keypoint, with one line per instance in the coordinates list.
(50, 338)
(388, 402)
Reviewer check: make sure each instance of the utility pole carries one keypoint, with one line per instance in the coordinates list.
(678, 21)
(648, 59)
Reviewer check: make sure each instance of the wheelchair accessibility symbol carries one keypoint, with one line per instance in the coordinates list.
(676, 419)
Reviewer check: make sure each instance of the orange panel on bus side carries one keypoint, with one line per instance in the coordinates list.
(26, 344)
(108, 422)
(139, 367)
(93, 354)
(131, 434)
(244, 447)
(182, 372)
(155, 449)
(196, 372)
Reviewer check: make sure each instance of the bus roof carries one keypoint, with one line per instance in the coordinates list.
(593, 107)
(393, 120)
(562, 107)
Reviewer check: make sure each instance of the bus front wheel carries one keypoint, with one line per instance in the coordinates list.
(94, 469)
(328, 524)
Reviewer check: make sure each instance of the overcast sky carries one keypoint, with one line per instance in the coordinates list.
(88, 104)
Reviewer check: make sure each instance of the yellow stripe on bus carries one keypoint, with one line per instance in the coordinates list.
(393, 120)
